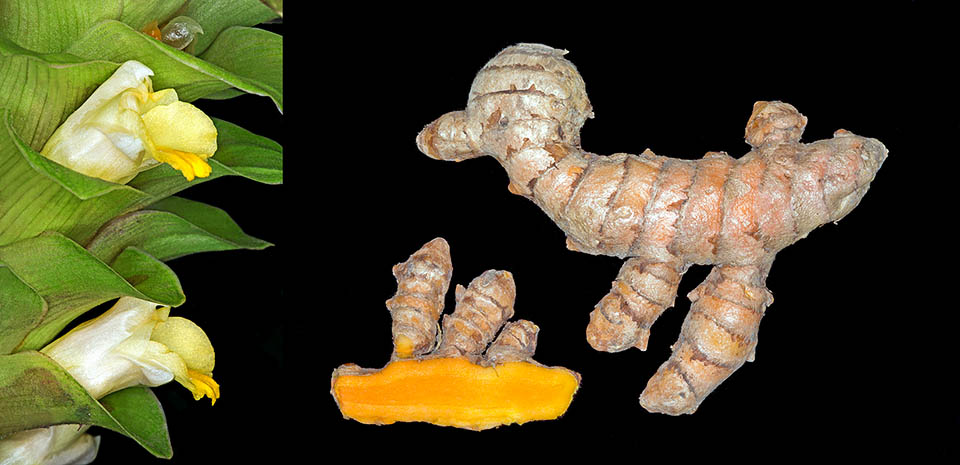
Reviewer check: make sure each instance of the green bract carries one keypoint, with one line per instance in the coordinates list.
(74, 237)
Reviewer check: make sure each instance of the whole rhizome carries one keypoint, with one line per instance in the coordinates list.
(526, 108)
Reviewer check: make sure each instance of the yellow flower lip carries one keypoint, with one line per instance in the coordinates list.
(125, 127)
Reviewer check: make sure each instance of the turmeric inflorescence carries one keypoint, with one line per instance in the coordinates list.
(455, 376)
(526, 108)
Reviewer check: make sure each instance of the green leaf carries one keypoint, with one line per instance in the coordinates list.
(148, 275)
(172, 228)
(139, 13)
(217, 15)
(192, 77)
(40, 91)
(253, 53)
(36, 392)
(47, 27)
(212, 220)
(139, 412)
(225, 94)
(21, 309)
(37, 195)
(71, 281)
(247, 154)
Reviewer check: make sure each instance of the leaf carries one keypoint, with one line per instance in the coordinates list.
(192, 77)
(212, 220)
(36, 392)
(217, 15)
(139, 412)
(253, 53)
(21, 309)
(172, 228)
(148, 275)
(48, 27)
(139, 13)
(37, 195)
(247, 154)
(40, 91)
(45, 26)
(71, 281)
(223, 94)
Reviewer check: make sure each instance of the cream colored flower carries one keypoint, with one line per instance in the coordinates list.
(136, 343)
(125, 127)
(56, 445)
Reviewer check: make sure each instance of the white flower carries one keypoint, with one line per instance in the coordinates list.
(56, 445)
(136, 343)
(125, 127)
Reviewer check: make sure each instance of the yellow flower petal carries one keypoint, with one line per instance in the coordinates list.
(181, 135)
(187, 340)
(181, 126)
(160, 97)
(184, 338)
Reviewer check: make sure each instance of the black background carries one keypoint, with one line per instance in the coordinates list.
(852, 352)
